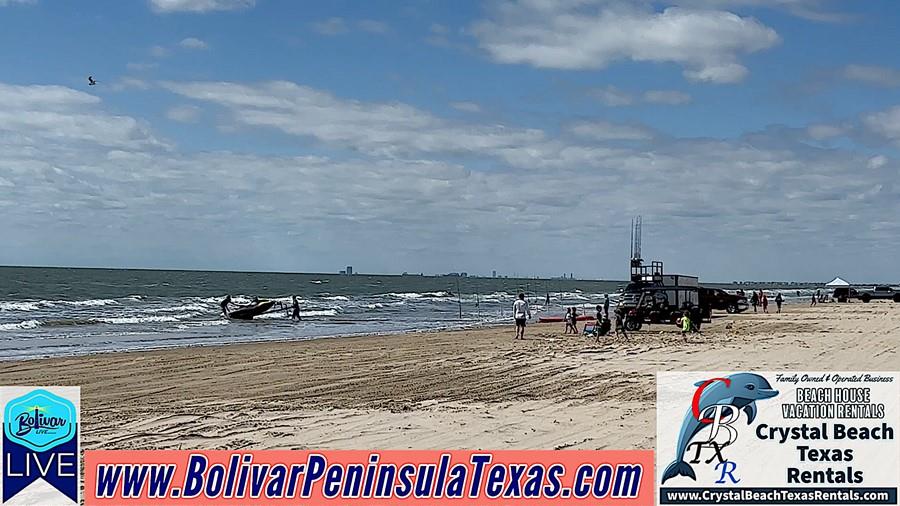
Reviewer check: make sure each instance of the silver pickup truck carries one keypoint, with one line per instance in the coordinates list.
(878, 292)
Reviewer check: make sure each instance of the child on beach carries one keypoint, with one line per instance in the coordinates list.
(764, 299)
(620, 322)
(754, 300)
(604, 328)
(778, 300)
(686, 324)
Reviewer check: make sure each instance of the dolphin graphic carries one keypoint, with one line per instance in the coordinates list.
(740, 390)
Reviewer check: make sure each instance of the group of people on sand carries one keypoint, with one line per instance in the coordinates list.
(602, 327)
(759, 299)
(817, 297)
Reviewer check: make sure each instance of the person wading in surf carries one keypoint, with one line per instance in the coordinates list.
(295, 309)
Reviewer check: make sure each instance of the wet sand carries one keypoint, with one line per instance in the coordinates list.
(461, 389)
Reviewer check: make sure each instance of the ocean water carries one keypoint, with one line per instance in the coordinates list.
(55, 311)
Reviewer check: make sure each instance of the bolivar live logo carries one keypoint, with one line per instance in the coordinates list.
(40, 444)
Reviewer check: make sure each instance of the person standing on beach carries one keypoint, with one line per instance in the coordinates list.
(778, 300)
(620, 322)
(606, 304)
(295, 308)
(573, 319)
(754, 300)
(521, 313)
(815, 298)
(764, 299)
(547, 302)
(686, 324)
(224, 304)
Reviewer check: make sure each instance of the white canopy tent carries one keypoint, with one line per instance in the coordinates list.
(836, 282)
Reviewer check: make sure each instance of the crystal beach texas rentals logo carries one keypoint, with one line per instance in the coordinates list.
(716, 404)
(40, 445)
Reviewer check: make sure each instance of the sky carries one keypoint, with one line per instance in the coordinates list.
(759, 139)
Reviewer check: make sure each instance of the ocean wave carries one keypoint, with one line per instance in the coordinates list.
(337, 297)
(25, 325)
(21, 306)
(174, 309)
(145, 319)
(324, 312)
(418, 295)
(204, 323)
(89, 302)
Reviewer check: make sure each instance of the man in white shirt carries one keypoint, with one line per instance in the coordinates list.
(521, 312)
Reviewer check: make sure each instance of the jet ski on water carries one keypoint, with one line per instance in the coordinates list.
(255, 308)
(247, 313)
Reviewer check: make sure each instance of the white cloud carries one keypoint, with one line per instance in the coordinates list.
(331, 26)
(593, 34)
(666, 97)
(821, 132)
(611, 96)
(725, 73)
(63, 115)
(158, 52)
(885, 124)
(604, 131)
(382, 128)
(134, 83)
(199, 6)
(872, 74)
(337, 26)
(813, 10)
(877, 162)
(466, 106)
(84, 186)
(193, 43)
(140, 66)
(373, 26)
(183, 113)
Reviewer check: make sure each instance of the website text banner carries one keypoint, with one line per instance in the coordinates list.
(459, 477)
(778, 437)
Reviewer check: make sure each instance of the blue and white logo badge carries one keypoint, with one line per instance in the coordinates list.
(40, 420)
(39, 447)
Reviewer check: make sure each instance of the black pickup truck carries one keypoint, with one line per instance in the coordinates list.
(716, 298)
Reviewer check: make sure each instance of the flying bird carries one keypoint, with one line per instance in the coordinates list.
(91, 81)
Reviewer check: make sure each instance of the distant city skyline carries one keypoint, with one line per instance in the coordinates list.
(758, 139)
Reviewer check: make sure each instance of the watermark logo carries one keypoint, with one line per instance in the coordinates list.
(709, 427)
(40, 420)
(40, 445)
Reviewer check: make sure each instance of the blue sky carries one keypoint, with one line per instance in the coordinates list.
(758, 138)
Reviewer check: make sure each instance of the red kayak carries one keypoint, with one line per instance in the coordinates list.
(560, 319)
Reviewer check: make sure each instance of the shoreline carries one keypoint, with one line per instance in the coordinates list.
(471, 388)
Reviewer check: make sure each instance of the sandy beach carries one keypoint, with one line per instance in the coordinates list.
(461, 389)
